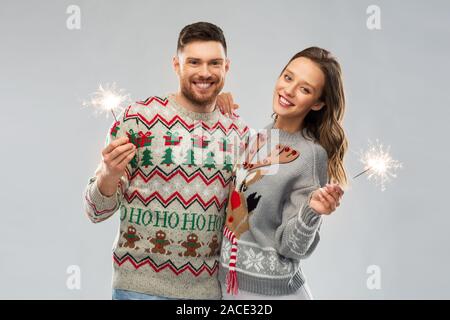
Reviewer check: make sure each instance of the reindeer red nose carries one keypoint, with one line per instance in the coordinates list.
(235, 200)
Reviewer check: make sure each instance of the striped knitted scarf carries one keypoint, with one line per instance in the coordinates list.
(232, 280)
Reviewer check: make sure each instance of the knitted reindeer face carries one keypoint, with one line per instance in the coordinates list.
(239, 207)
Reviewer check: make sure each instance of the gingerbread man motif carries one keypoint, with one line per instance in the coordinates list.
(213, 246)
(131, 237)
(191, 244)
(159, 243)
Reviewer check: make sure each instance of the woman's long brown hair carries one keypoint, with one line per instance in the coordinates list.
(325, 125)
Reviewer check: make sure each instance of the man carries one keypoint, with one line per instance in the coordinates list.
(167, 168)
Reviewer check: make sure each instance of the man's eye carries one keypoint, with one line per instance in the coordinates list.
(193, 62)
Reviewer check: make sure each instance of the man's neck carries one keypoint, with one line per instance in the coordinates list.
(187, 104)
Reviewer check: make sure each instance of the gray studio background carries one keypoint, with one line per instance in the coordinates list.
(396, 82)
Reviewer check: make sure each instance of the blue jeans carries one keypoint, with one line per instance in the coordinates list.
(119, 294)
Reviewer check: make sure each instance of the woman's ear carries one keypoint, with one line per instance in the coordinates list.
(318, 105)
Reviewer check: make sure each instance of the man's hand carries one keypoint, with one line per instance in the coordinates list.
(115, 158)
(325, 200)
(226, 104)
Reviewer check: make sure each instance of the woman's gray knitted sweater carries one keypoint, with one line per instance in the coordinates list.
(268, 213)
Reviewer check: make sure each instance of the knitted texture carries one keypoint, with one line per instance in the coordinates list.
(171, 199)
(270, 226)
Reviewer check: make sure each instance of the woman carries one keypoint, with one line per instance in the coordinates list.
(280, 191)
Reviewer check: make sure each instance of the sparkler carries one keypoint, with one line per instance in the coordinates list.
(379, 164)
(108, 99)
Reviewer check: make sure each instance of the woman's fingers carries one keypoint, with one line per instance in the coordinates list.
(328, 198)
(323, 201)
(336, 191)
(230, 105)
(230, 101)
(337, 188)
(333, 193)
(222, 102)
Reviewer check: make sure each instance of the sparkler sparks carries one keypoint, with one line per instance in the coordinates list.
(108, 99)
(379, 164)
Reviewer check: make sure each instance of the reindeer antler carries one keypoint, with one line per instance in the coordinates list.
(281, 154)
(256, 145)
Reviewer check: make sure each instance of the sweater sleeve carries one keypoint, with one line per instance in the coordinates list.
(97, 206)
(298, 234)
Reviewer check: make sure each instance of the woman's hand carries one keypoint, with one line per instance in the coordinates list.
(226, 104)
(325, 200)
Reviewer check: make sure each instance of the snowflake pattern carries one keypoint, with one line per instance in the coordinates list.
(254, 260)
(272, 261)
(226, 247)
(258, 261)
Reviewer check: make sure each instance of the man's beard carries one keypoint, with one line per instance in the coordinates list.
(201, 101)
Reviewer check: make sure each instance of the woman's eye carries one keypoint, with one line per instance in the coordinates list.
(305, 90)
(287, 78)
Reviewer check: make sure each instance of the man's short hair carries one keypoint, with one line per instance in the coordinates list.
(201, 31)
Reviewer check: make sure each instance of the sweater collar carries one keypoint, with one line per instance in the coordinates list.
(203, 116)
(287, 137)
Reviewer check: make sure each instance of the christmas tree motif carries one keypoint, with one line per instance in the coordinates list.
(209, 161)
(228, 164)
(190, 159)
(168, 157)
(147, 158)
(134, 162)
(115, 129)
